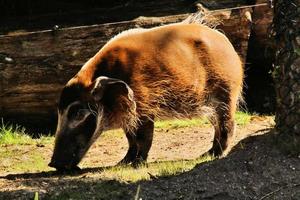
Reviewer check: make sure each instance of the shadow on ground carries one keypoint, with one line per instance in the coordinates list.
(64, 185)
(53, 174)
(254, 169)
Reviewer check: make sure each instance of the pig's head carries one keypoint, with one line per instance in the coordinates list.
(84, 112)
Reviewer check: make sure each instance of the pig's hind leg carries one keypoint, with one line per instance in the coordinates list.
(224, 121)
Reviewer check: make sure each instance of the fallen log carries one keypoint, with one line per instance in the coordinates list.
(18, 15)
(34, 66)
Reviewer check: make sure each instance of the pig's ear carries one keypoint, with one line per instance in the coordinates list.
(113, 93)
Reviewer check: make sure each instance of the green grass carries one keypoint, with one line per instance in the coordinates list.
(19, 152)
(13, 135)
(241, 118)
(22, 160)
(16, 135)
(181, 123)
(36, 196)
(152, 170)
(34, 161)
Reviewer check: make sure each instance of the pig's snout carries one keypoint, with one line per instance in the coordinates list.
(58, 166)
(61, 167)
(52, 164)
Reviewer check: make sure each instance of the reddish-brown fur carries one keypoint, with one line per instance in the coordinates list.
(191, 56)
(177, 70)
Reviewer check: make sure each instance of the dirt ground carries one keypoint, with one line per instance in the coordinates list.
(252, 170)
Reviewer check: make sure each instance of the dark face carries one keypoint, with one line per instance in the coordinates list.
(76, 126)
(83, 113)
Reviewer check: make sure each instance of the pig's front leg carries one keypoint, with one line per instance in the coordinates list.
(140, 142)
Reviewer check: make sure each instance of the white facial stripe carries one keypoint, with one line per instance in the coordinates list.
(70, 123)
(75, 123)
(99, 126)
(97, 84)
(58, 127)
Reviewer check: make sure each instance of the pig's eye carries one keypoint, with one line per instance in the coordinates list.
(80, 114)
(76, 112)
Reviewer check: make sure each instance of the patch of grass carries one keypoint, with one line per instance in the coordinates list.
(36, 196)
(13, 135)
(44, 139)
(22, 159)
(29, 162)
(242, 118)
(116, 133)
(181, 123)
(152, 170)
(165, 124)
(16, 135)
(19, 152)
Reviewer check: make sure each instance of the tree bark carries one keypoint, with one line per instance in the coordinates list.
(286, 73)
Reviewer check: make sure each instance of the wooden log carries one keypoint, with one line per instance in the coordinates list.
(34, 66)
(19, 16)
(262, 20)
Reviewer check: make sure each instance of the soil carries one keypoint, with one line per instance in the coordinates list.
(253, 169)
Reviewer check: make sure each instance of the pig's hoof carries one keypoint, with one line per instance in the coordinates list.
(74, 169)
(138, 162)
(123, 162)
(216, 152)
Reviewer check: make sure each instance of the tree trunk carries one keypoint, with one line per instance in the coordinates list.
(286, 24)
